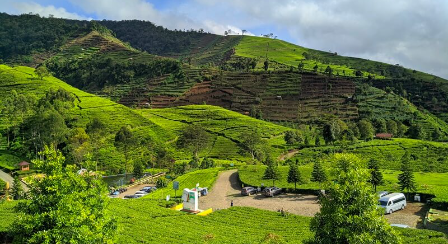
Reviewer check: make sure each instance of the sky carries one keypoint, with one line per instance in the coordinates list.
(412, 33)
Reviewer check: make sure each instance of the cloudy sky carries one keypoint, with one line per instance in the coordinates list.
(412, 33)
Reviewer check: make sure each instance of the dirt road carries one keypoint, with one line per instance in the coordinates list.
(8, 178)
(227, 188)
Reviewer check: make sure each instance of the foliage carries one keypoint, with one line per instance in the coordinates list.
(42, 72)
(17, 191)
(366, 130)
(349, 212)
(406, 177)
(207, 163)
(193, 137)
(376, 177)
(293, 137)
(138, 169)
(294, 175)
(161, 182)
(272, 172)
(64, 206)
(318, 174)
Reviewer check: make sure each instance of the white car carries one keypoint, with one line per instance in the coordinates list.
(140, 193)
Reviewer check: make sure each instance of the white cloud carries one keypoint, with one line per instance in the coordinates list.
(28, 7)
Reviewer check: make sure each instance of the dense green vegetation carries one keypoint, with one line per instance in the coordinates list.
(8, 161)
(233, 225)
(226, 129)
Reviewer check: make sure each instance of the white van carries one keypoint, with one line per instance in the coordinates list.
(393, 202)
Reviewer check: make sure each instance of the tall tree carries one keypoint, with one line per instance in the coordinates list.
(406, 178)
(292, 137)
(138, 169)
(79, 145)
(271, 172)
(329, 133)
(365, 129)
(250, 141)
(318, 174)
(266, 65)
(376, 177)
(124, 139)
(349, 212)
(294, 175)
(416, 131)
(17, 191)
(64, 207)
(42, 72)
(193, 137)
(392, 127)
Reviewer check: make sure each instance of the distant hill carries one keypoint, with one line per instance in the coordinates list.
(300, 85)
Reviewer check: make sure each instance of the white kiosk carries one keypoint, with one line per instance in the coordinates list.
(190, 200)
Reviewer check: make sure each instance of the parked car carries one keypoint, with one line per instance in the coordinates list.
(400, 226)
(148, 189)
(115, 193)
(272, 191)
(382, 194)
(141, 193)
(393, 202)
(130, 196)
(247, 191)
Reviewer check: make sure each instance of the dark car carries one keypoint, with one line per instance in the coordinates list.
(247, 191)
(130, 196)
(272, 191)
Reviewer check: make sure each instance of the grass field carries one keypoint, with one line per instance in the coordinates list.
(143, 221)
(430, 183)
(426, 156)
(205, 178)
(8, 161)
(225, 128)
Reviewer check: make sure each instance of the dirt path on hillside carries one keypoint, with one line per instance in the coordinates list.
(227, 188)
(288, 155)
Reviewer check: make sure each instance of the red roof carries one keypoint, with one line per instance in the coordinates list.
(384, 135)
(23, 163)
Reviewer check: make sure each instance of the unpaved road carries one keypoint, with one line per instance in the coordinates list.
(133, 189)
(288, 155)
(227, 188)
(8, 178)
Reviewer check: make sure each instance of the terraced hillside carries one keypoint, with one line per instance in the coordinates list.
(225, 128)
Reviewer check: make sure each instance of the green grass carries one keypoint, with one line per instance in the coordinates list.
(7, 214)
(205, 178)
(225, 128)
(426, 156)
(429, 183)
(9, 161)
(288, 54)
(144, 221)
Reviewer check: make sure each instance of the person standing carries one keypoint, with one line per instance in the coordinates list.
(231, 203)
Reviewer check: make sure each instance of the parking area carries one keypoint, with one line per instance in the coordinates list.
(133, 189)
(227, 189)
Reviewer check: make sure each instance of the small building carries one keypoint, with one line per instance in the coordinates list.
(24, 166)
(384, 136)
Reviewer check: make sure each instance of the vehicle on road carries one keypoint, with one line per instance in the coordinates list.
(272, 191)
(248, 190)
(140, 193)
(400, 226)
(148, 189)
(392, 202)
(382, 194)
(130, 197)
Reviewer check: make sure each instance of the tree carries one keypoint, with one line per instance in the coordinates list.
(124, 139)
(65, 206)
(79, 145)
(17, 191)
(317, 141)
(328, 71)
(436, 134)
(250, 142)
(266, 65)
(315, 68)
(193, 137)
(406, 177)
(349, 212)
(318, 174)
(376, 177)
(138, 169)
(292, 137)
(271, 172)
(329, 133)
(392, 127)
(358, 73)
(416, 132)
(207, 163)
(300, 67)
(294, 175)
(365, 130)
(380, 126)
(42, 72)
(401, 129)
